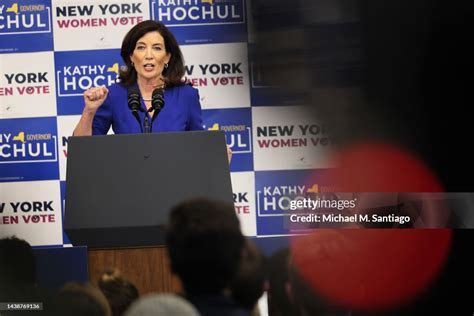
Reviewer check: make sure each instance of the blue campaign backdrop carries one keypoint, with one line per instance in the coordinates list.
(237, 124)
(29, 149)
(33, 148)
(24, 31)
(79, 70)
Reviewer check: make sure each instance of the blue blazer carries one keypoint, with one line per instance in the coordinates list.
(181, 112)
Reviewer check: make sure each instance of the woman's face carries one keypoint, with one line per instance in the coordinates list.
(149, 56)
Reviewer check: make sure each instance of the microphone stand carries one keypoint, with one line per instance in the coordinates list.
(137, 117)
(146, 124)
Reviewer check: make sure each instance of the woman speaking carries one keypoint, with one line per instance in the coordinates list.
(152, 77)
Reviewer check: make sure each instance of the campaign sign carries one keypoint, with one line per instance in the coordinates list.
(27, 89)
(78, 71)
(25, 26)
(290, 137)
(236, 123)
(243, 188)
(202, 21)
(66, 125)
(220, 72)
(86, 25)
(28, 149)
(31, 211)
(274, 192)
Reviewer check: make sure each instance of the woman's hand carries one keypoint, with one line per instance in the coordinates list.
(94, 98)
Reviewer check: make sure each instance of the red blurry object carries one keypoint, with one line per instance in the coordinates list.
(371, 269)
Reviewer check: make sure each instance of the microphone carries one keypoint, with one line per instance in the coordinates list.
(134, 104)
(157, 102)
(157, 99)
(134, 100)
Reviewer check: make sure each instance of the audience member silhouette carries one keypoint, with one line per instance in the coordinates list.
(120, 292)
(249, 283)
(17, 263)
(18, 276)
(205, 245)
(76, 299)
(279, 302)
(162, 305)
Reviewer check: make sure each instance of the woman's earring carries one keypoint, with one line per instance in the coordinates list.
(166, 65)
(132, 63)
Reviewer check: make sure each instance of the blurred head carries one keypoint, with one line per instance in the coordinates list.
(279, 301)
(249, 282)
(120, 293)
(77, 299)
(150, 51)
(17, 263)
(163, 305)
(205, 245)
